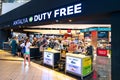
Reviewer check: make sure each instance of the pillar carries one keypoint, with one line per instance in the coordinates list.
(115, 23)
(4, 35)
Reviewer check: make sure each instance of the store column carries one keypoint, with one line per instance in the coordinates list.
(115, 22)
(4, 35)
(94, 38)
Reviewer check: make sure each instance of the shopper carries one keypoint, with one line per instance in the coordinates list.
(72, 47)
(26, 46)
(61, 45)
(35, 41)
(39, 42)
(52, 43)
(89, 50)
(19, 49)
(13, 46)
(79, 49)
(43, 44)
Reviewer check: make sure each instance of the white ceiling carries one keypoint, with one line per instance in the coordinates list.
(72, 26)
(63, 26)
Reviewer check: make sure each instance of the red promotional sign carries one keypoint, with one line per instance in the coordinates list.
(101, 52)
(94, 33)
(69, 30)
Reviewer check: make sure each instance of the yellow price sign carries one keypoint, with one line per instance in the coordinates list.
(87, 61)
(49, 48)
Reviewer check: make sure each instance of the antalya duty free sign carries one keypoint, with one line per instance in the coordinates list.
(54, 14)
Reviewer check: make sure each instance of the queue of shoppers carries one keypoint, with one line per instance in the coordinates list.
(72, 45)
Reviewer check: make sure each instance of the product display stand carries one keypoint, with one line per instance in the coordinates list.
(78, 64)
(51, 57)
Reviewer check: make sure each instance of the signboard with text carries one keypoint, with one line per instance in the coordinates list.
(96, 29)
(86, 66)
(48, 58)
(102, 52)
(73, 65)
(53, 14)
(103, 34)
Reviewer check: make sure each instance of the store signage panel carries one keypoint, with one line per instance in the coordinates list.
(73, 65)
(104, 29)
(103, 34)
(96, 29)
(86, 70)
(102, 52)
(48, 58)
(53, 14)
(92, 29)
(87, 62)
(87, 34)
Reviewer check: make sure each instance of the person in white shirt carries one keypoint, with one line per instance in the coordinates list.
(27, 45)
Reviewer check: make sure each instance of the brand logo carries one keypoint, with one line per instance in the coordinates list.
(42, 16)
(20, 21)
(60, 12)
(30, 19)
(73, 62)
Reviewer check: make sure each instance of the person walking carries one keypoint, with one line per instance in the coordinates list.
(26, 47)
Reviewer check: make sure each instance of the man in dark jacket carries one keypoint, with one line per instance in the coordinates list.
(90, 53)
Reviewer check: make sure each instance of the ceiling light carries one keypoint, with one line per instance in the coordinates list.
(57, 20)
(70, 20)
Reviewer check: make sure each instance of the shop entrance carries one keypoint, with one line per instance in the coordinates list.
(82, 35)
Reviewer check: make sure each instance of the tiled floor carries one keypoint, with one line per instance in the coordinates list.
(15, 70)
(5, 55)
(12, 68)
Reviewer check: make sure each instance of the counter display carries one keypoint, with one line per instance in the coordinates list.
(78, 64)
(34, 52)
(73, 65)
(51, 57)
(6, 46)
(48, 58)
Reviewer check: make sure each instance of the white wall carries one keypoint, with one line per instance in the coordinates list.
(6, 7)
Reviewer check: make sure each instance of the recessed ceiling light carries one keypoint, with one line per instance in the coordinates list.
(57, 20)
(70, 20)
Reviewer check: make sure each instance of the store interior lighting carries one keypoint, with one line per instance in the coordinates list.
(72, 26)
(41, 29)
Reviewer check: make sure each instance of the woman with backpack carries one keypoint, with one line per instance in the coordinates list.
(26, 47)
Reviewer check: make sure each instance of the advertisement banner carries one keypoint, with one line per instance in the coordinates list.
(86, 66)
(87, 62)
(102, 52)
(86, 70)
(48, 58)
(69, 10)
(103, 34)
(73, 65)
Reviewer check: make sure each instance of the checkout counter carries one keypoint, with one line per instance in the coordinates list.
(6, 46)
(51, 57)
(78, 64)
(34, 52)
